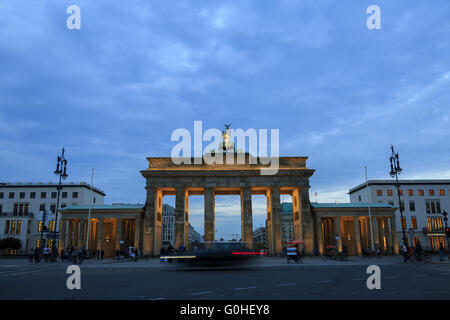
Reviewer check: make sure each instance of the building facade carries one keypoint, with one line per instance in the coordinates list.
(260, 236)
(422, 201)
(22, 204)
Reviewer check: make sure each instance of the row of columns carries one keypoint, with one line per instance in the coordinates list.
(302, 218)
(74, 232)
(381, 230)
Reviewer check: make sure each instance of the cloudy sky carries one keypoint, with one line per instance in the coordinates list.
(113, 92)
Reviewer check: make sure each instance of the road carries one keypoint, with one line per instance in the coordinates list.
(47, 281)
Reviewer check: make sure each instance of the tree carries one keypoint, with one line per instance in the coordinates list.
(10, 243)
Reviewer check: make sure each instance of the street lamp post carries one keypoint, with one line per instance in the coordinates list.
(395, 171)
(61, 164)
(444, 213)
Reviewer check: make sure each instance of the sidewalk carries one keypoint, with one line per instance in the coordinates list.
(256, 263)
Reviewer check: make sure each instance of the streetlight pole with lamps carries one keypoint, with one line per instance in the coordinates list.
(61, 164)
(444, 213)
(395, 171)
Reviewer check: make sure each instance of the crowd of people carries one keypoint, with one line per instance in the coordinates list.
(70, 254)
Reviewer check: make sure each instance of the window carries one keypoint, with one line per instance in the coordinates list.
(431, 192)
(19, 224)
(7, 222)
(25, 209)
(414, 222)
(359, 198)
(38, 243)
(379, 193)
(11, 195)
(42, 207)
(43, 195)
(32, 195)
(22, 195)
(51, 225)
(15, 209)
(54, 194)
(13, 227)
(1, 208)
(64, 194)
(412, 206)
(404, 223)
(441, 192)
(439, 223)
(1, 195)
(420, 192)
(433, 206)
(389, 193)
(402, 205)
(53, 208)
(74, 194)
(94, 199)
(401, 192)
(63, 205)
(410, 192)
(39, 229)
(429, 223)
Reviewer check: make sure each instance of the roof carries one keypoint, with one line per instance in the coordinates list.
(286, 207)
(351, 205)
(401, 182)
(106, 207)
(49, 184)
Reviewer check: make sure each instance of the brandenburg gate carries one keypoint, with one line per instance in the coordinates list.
(164, 177)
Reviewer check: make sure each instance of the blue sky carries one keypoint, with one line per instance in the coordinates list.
(113, 92)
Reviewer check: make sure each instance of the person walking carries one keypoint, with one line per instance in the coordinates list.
(46, 253)
(405, 251)
(441, 252)
(36, 255)
(378, 252)
(31, 255)
(102, 253)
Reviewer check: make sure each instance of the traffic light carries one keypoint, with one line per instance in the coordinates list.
(447, 232)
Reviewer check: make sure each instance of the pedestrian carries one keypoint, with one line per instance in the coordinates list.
(36, 255)
(80, 255)
(441, 252)
(31, 255)
(378, 252)
(102, 254)
(61, 255)
(405, 250)
(46, 253)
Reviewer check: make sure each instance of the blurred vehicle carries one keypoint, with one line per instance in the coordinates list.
(219, 253)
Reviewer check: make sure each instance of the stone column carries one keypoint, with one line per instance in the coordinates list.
(269, 221)
(296, 216)
(388, 236)
(149, 223)
(209, 218)
(394, 235)
(307, 220)
(357, 236)
(181, 217)
(118, 232)
(76, 233)
(100, 234)
(137, 233)
(69, 240)
(337, 233)
(81, 237)
(246, 217)
(376, 236)
(319, 235)
(277, 235)
(62, 236)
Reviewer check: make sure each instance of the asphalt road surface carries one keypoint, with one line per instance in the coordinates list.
(47, 281)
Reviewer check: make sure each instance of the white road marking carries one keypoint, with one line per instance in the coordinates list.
(157, 299)
(245, 288)
(203, 292)
(324, 281)
(287, 284)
